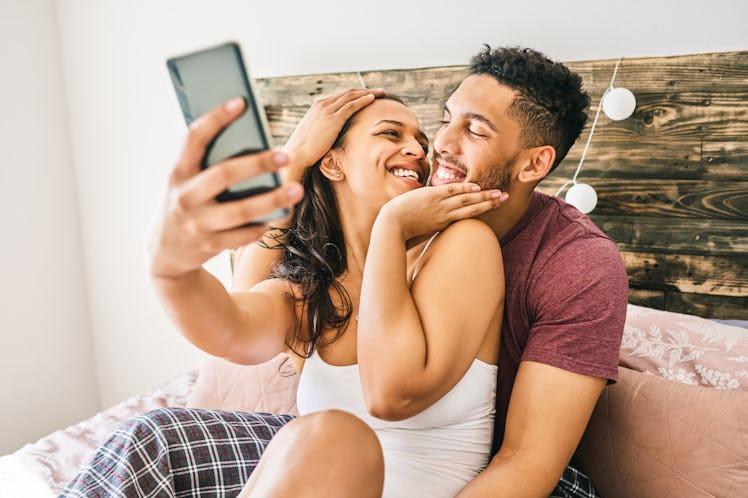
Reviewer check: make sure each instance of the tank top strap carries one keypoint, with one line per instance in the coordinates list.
(416, 267)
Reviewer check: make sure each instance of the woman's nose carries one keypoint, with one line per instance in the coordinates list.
(414, 148)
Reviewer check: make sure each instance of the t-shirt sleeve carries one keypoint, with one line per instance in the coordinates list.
(578, 305)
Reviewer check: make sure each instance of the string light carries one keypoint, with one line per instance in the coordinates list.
(617, 103)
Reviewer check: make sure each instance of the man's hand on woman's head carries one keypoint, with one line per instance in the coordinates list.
(429, 209)
(191, 226)
(316, 132)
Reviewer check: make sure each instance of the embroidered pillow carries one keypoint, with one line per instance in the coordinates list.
(685, 348)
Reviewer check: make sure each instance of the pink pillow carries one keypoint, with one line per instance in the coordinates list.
(685, 348)
(650, 437)
(269, 387)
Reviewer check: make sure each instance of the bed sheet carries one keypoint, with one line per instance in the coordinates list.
(44, 468)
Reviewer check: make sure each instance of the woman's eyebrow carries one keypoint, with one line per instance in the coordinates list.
(390, 121)
(420, 134)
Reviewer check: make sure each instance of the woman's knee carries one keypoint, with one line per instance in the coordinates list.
(335, 426)
(336, 435)
(330, 453)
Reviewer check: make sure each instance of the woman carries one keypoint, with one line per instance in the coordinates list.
(407, 342)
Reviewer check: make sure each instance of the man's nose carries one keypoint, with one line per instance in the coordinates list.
(445, 140)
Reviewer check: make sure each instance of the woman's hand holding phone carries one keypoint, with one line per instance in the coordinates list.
(191, 226)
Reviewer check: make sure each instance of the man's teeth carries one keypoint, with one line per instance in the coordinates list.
(444, 174)
(405, 173)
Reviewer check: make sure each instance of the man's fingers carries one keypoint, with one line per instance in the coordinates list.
(217, 178)
(225, 216)
(202, 131)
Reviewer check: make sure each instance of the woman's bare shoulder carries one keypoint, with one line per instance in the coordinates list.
(468, 232)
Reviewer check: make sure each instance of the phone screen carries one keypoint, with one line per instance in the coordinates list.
(206, 79)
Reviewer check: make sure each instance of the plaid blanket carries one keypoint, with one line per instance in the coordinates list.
(180, 452)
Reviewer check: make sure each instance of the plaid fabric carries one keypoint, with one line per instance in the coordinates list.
(574, 484)
(177, 452)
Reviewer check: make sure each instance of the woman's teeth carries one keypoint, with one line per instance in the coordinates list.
(406, 173)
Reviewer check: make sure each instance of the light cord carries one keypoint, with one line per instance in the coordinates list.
(592, 131)
(361, 79)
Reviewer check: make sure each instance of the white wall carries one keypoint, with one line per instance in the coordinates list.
(46, 358)
(126, 129)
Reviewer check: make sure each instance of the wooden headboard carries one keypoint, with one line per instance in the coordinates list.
(672, 179)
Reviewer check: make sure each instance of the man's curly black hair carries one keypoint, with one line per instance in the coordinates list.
(551, 107)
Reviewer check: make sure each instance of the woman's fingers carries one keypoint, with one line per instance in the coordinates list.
(209, 183)
(456, 201)
(470, 210)
(221, 217)
(456, 195)
(355, 98)
(202, 131)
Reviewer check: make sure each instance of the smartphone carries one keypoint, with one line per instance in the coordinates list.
(208, 78)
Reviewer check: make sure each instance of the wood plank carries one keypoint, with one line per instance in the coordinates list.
(726, 200)
(717, 275)
(651, 158)
(647, 297)
(724, 160)
(709, 71)
(676, 235)
(683, 116)
(703, 305)
(708, 306)
(646, 158)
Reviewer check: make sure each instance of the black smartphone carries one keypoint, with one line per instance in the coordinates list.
(208, 78)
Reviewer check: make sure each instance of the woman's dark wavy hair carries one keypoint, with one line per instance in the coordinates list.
(315, 256)
(551, 107)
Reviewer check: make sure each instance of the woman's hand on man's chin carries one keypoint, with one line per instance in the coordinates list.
(430, 209)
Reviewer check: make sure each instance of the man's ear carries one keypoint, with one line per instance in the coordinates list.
(330, 167)
(538, 165)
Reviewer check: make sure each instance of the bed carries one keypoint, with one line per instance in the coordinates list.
(672, 182)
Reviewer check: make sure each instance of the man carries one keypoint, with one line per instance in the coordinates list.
(506, 126)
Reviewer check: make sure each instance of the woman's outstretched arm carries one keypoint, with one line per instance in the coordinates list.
(191, 227)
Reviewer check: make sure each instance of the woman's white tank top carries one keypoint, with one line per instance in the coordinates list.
(432, 454)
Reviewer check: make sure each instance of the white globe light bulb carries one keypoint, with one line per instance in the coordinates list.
(619, 103)
(583, 197)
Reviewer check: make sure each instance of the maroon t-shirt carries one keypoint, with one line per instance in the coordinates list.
(566, 295)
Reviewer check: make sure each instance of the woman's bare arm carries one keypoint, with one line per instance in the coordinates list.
(415, 344)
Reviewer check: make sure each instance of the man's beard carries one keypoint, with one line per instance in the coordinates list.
(498, 176)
